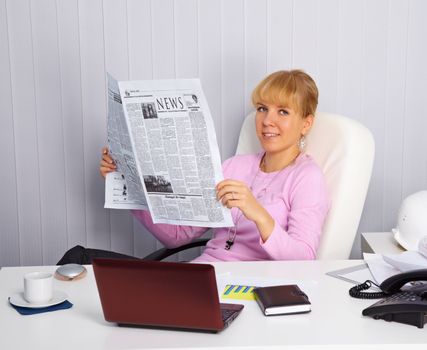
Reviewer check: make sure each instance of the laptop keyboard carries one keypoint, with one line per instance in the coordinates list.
(226, 314)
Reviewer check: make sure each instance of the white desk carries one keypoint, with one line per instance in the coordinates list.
(335, 322)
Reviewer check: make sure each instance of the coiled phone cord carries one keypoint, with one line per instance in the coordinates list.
(356, 291)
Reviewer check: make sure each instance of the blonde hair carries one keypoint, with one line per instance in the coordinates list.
(294, 89)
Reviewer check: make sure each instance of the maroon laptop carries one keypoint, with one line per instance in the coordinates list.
(161, 294)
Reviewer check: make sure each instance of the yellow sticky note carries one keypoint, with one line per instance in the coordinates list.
(238, 292)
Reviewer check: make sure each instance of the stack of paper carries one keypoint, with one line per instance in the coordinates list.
(406, 261)
(386, 265)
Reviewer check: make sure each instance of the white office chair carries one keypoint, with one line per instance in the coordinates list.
(344, 149)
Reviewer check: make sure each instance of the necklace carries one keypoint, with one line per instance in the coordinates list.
(232, 231)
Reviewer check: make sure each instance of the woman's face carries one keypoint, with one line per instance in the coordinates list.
(280, 128)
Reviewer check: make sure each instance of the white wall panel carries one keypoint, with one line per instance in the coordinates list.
(210, 64)
(255, 43)
(414, 163)
(49, 128)
(9, 230)
(304, 53)
(72, 116)
(327, 46)
(163, 39)
(186, 39)
(368, 59)
(233, 73)
(395, 109)
(92, 58)
(140, 39)
(373, 101)
(350, 58)
(25, 131)
(279, 34)
(115, 31)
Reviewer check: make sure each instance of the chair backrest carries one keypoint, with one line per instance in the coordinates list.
(344, 149)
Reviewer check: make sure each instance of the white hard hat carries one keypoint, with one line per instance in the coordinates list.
(412, 221)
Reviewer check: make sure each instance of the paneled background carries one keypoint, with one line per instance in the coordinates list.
(369, 59)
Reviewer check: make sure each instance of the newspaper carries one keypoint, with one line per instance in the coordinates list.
(123, 188)
(162, 138)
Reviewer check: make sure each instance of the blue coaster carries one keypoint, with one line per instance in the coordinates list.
(32, 311)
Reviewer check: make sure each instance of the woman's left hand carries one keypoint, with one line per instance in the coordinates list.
(236, 194)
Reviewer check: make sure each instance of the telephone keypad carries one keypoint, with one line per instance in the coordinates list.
(409, 297)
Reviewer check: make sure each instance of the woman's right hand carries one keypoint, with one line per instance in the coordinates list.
(107, 163)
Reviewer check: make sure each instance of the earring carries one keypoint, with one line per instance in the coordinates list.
(302, 143)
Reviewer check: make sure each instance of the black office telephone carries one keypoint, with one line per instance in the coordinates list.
(407, 306)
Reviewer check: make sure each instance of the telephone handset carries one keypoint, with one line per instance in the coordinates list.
(405, 306)
(394, 283)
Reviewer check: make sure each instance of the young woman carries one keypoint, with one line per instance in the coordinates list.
(277, 197)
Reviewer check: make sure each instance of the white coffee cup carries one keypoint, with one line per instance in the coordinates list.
(38, 287)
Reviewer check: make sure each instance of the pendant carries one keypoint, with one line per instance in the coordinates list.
(228, 244)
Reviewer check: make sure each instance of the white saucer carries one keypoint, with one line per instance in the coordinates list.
(18, 300)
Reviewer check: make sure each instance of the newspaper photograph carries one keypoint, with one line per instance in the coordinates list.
(171, 141)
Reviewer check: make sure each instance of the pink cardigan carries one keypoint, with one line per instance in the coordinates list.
(296, 197)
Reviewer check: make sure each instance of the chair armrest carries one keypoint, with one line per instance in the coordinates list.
(163, 253)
